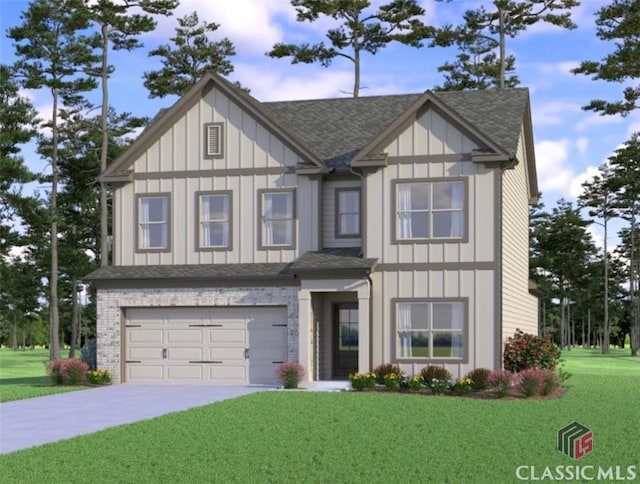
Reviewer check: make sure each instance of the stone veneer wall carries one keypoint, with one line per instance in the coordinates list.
(112, 302)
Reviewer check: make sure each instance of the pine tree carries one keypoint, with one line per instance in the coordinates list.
(359, 30)
(191, 56)
(53, 52)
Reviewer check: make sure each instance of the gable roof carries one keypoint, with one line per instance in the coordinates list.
(331, 133)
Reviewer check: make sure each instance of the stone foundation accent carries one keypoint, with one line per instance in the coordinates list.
(111, 304)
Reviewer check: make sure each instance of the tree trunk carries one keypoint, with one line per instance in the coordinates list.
(633, 288)
(54, 322)
(356, 63)
(589, 328)
(605, 335)
(14, 333)
(503, 47)
(74, 321)
(104, 207)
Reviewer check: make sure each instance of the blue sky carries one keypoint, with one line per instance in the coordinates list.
(570, 143)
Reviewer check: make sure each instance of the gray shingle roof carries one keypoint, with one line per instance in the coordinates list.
(327, 261)
(194, 271)
(337, 129)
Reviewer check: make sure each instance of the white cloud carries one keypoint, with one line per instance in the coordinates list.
(596, 120)
(553, 113)
(280, 84)
(551, 161)
(575, 188)
(582, 144)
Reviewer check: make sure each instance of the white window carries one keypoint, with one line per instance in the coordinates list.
(153, 217)
(430, 330)
(277, 218)
(215, 220)
(430, 210)
(213, 140)
(348, 213)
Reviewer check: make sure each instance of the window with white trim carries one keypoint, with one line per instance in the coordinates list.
(430, 210)
(277, 213)
(430, 330)
(153, 222)
(215, 220)
(348, 212)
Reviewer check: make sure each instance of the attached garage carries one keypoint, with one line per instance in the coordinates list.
(213, 345)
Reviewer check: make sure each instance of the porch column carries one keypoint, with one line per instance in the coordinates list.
(364, 323)
(305, 323)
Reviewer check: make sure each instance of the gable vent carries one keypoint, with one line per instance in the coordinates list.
(213, 140)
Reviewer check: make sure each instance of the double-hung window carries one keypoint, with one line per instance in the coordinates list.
(430, 210)
(153, 222)
(277, 218)
(347, 212)
(215, 220)
(432, 329)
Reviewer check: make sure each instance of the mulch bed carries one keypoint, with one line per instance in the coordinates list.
(514, 394)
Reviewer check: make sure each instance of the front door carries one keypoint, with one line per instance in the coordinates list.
(345, 340)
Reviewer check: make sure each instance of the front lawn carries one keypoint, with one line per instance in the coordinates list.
(23, 375)
(300, 436)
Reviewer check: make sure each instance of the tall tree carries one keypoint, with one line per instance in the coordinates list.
(190, 57)
(53, 53)
(619, 24)
(625, 165)
(119, 23)
(506, 18)
(598, 195)
(359, 30)
(477, 66)
(18, 122)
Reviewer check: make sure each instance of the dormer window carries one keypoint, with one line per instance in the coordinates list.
(213, 136)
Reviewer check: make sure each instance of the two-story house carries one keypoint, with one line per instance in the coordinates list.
(340, 233)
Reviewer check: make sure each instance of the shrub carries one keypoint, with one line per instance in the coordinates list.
(524, 351)
(289, 374)
(531, 382)
(462, 386)
(551, 381)
(500, 381)
(386, 369)
(99, 377)
(360, 381)
(479, 378)
(438, 385)
(391, 381)
(89, 353)
(431, 372)
(412, 383)
(67, 372)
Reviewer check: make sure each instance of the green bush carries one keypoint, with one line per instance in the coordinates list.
(386, 369)
(479, 378)
(99, 377)
(391, 381)
(360, 381)
(524, 351)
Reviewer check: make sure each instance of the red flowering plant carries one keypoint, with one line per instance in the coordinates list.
(525, 351)
(290, 373)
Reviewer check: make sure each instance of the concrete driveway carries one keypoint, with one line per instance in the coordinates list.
(37, 421)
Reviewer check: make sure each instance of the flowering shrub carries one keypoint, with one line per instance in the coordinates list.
(67, 372)
(289, 374)
(500, 381)
(386, 369)
(412, 383)
(99, 377)
(431, 372)
(479, 378)
(551, 381)
(360, 381)
(438, 385)
(531, 382)
(391, 381)
(462, 386)
(524, 351)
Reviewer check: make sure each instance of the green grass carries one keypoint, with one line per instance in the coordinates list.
(23, 375)
(355, 437)
(593, 362)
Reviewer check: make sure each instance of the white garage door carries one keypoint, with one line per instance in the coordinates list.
(232, 345)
